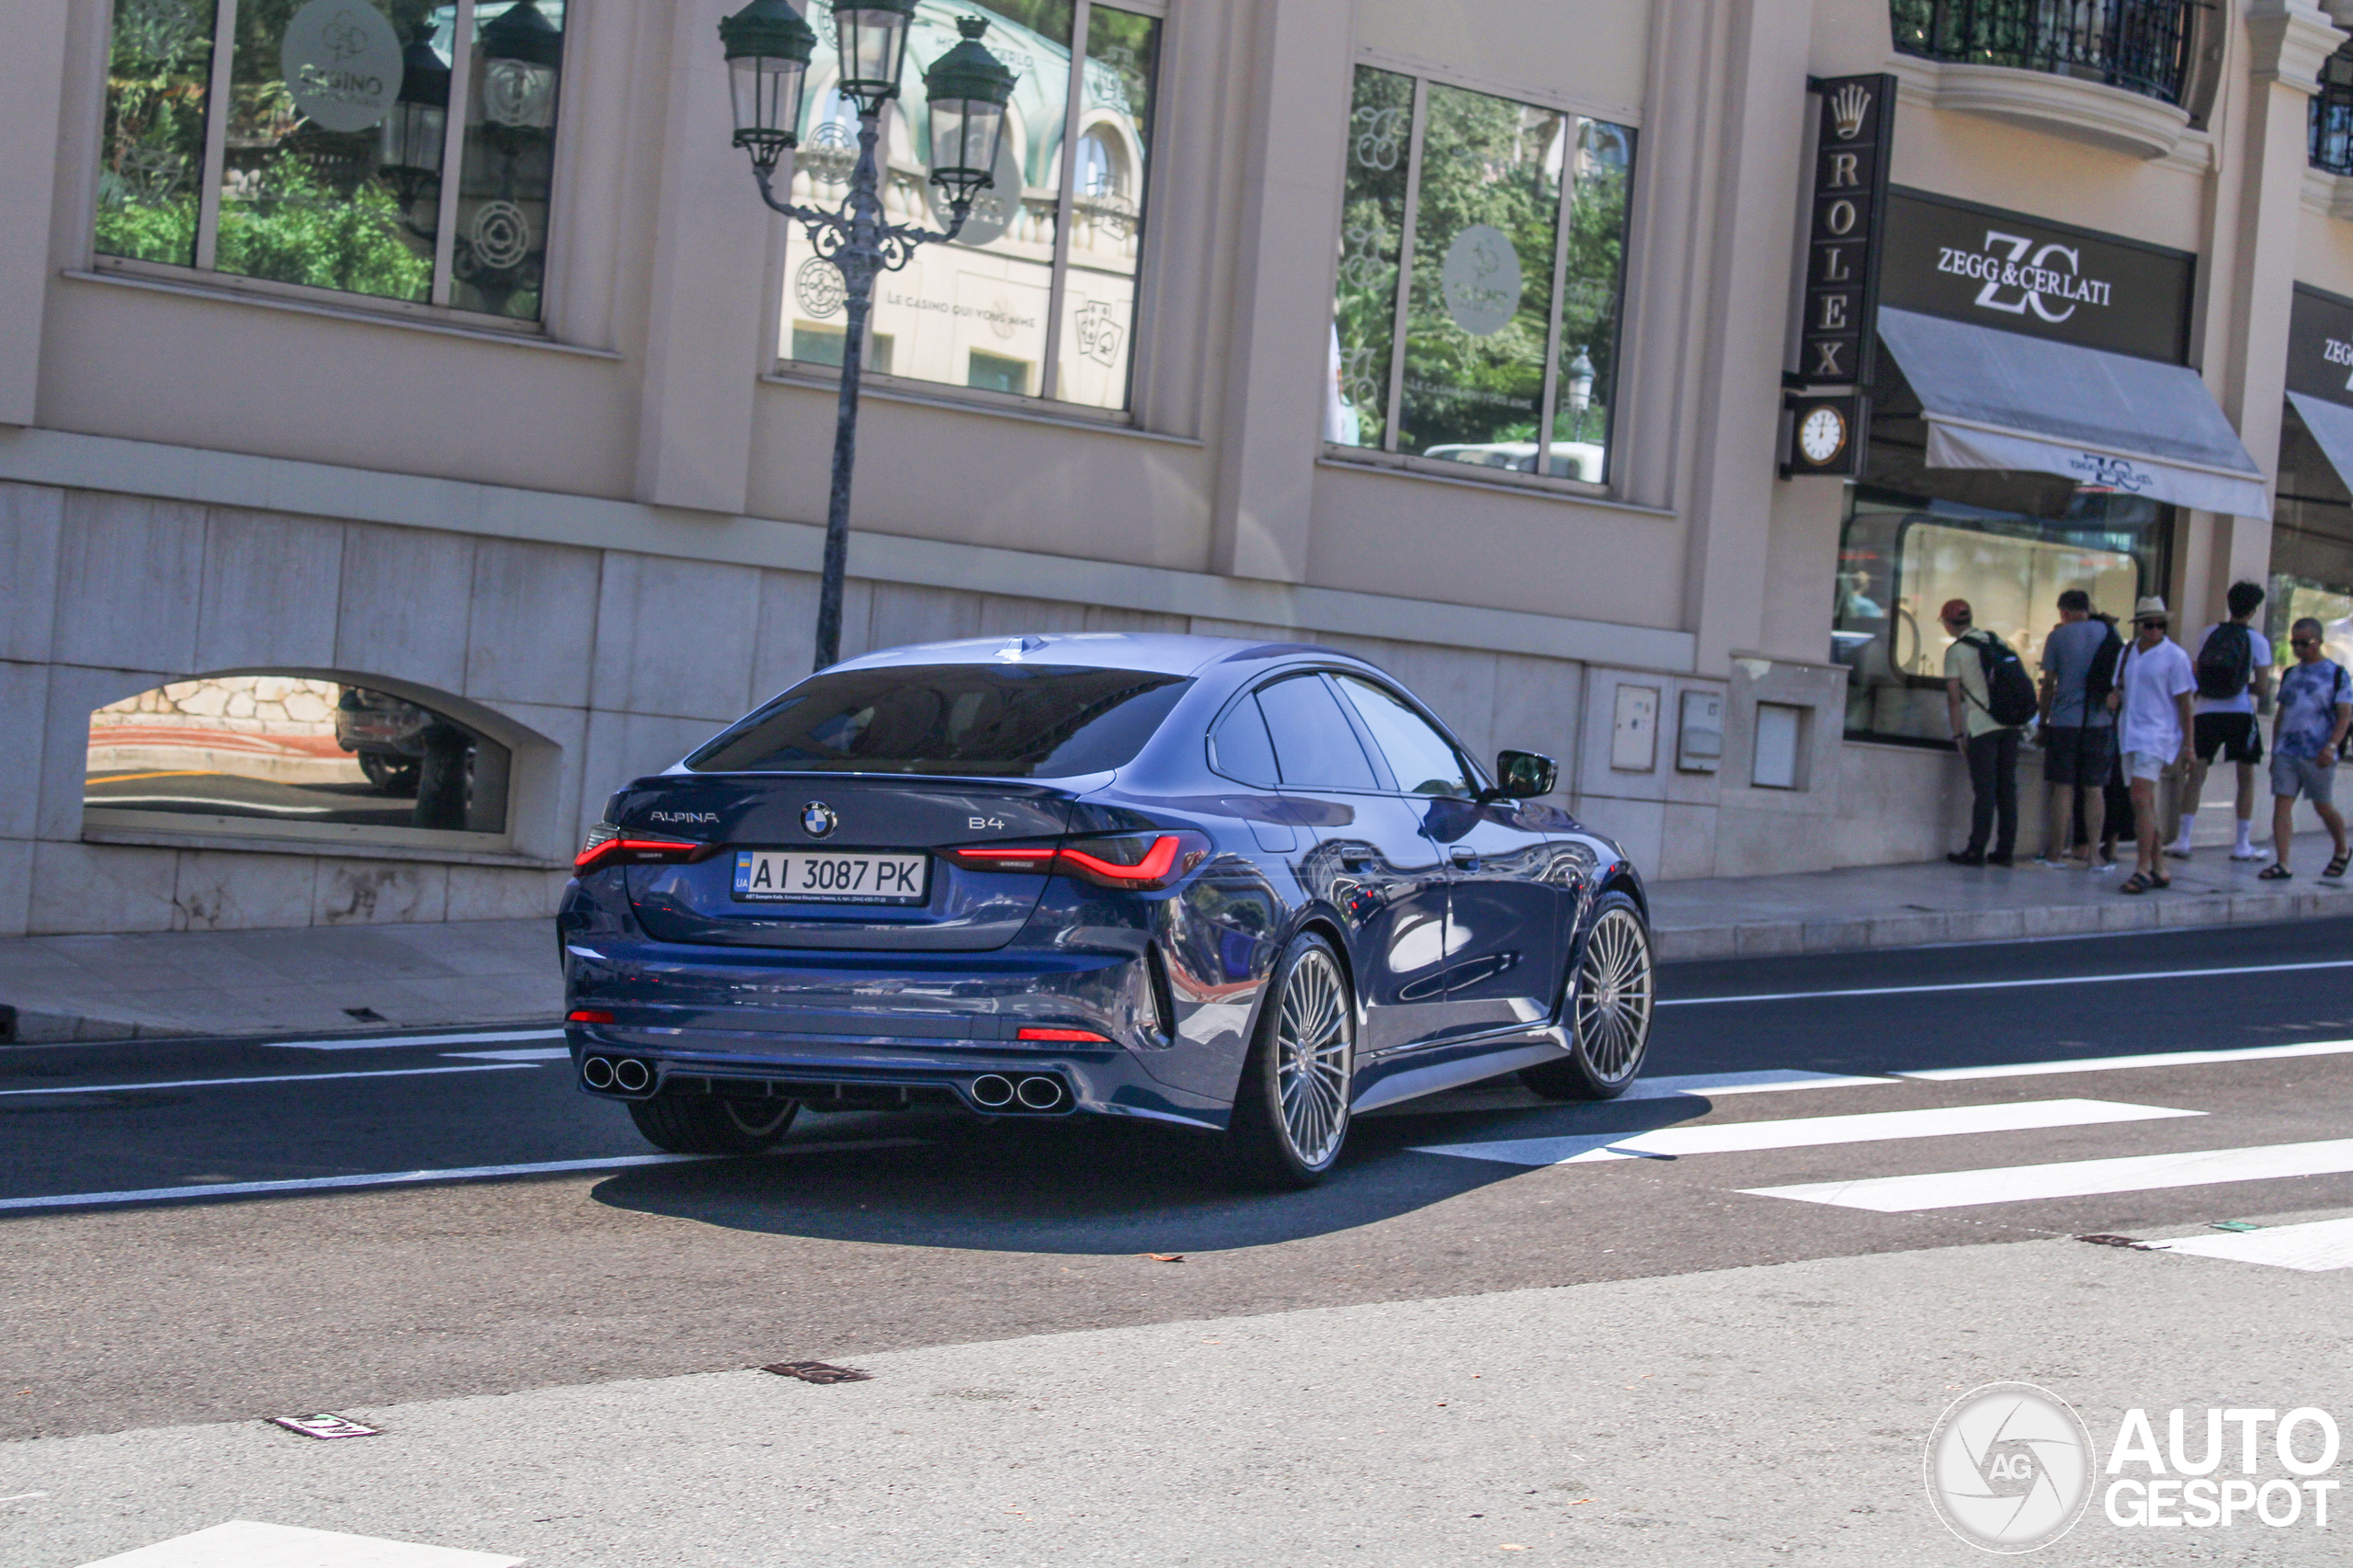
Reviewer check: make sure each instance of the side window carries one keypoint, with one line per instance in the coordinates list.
(1423, 761)
(1239, 747)
(1313, 745)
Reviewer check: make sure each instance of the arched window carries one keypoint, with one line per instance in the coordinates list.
(295, 755)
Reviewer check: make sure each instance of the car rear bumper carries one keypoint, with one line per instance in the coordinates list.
(871, 1029)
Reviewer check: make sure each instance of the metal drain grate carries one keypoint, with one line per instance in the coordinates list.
(323, 1426)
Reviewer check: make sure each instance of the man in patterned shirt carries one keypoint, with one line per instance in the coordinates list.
(2315, 707)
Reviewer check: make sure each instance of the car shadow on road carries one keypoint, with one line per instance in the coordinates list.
(1092, 1186)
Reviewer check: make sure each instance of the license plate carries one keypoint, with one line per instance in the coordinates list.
(797, 876)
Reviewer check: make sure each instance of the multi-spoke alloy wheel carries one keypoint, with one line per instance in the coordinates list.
(1290, 1110)
(1311, 1058)
(1609, 1009)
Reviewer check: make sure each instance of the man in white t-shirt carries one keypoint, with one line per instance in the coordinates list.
(2154, 684)
(2233, 668)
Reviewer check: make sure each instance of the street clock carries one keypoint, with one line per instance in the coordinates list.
(1826, 435)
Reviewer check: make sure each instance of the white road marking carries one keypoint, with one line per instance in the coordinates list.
(24, 1497)
(1805, 1131)
(515, 1053)
(2313, 1248)
(2073, 1178)
(400, 1179)
(2111, 1064)
(1766, 1081)
(2003, 984)
(268, 1078)
(241, 1544)
(386, 1042)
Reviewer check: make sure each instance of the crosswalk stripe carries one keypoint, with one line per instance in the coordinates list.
(2314, 1247)
(2034, 982)
(245, 1543)
(1764, 1081)
(2113, 1063)
(1804, 1131)
(2072, 1178)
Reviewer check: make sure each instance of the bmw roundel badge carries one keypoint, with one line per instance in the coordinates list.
(818, 821)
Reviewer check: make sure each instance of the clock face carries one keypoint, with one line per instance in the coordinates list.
(1821, 434)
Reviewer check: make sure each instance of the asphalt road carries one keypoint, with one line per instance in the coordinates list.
(869, 1236)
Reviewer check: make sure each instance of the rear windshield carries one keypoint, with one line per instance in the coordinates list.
(998, 721)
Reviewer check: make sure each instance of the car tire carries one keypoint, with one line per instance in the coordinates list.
(1609, 1006)
(711, 1124)
(1290, 1107)
(388, 777)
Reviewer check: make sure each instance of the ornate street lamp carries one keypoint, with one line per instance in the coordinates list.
(415, 133)
(768, 46)
(521, 57)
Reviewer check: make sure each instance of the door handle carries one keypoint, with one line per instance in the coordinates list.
(1466, 858)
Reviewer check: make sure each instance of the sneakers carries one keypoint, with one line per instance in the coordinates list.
(2177, 851)
(2050, 862)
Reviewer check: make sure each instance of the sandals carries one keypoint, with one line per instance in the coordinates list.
(2335, 869)
(2139, 881)
(2275, 872)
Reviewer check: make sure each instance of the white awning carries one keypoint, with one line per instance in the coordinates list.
(2332, 426)
(2001, 400)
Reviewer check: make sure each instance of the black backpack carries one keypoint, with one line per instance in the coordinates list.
(2009, 691)
(2100, 680)
(2226, 663)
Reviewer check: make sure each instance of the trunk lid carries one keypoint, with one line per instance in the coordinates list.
(747, 814)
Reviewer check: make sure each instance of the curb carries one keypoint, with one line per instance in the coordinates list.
(2156, 910)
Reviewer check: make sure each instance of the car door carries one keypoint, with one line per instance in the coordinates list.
(1371, 861)
(1504, 919)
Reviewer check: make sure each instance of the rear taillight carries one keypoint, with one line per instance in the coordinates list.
(609, 846)
(1063, 1036)
(1137, 862)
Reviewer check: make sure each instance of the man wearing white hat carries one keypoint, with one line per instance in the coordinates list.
(2153, 684)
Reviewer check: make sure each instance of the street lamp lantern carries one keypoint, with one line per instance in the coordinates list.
(521, 56)
(1581, 382)
(873, 37)
(769, 47)
(415, 131)
(967, 89)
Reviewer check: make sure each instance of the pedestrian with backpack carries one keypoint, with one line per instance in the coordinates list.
(1988, 695)
(2307, 738)
(2152, 724)
(2078, 732)
(2234, 671)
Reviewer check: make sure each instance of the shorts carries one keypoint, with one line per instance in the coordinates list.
(2233, 734)
(2306, 776)
(2149, 764)
(2077, 754)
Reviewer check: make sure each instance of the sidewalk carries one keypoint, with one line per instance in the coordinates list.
(351, 978)
(1904, 906)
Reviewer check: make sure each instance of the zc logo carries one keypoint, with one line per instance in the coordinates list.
(2016, 282)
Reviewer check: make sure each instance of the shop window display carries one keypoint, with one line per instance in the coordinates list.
(2312, 546)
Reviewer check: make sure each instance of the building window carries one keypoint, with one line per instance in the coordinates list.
(293, 757)
(2311, 545)
(305, 142)
(2332, 115)
(1037, 297)
(1506, 224)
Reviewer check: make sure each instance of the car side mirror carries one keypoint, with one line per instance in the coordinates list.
(1522, 775)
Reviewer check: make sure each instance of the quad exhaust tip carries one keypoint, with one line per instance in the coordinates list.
(632, 1076)
(993, 1091)
(596, 1072)
(1041, 1093)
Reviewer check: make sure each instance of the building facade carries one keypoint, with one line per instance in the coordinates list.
(413, 426)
